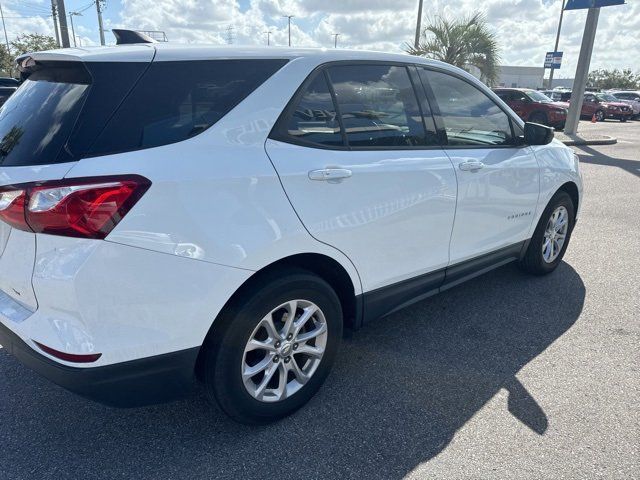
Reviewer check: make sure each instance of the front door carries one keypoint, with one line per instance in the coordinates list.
(498, 181)
(370, 181)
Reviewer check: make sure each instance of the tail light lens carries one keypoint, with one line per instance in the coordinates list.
(12, 204)
(84, 208)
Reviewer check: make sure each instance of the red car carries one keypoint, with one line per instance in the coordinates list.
(603, 106)
(533, 106)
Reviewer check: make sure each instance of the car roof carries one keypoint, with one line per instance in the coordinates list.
(174, 52)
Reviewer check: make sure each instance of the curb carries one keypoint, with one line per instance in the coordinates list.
(577, 141)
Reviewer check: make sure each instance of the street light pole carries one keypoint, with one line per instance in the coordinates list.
(555, 49)
(289, 17)
(418, 25)
(582, 72)
(73, 31)
(268, 32)
(335, 39)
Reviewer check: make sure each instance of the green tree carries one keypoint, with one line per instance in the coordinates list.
(464, 42)
(623, 79)
(32, 42)
(28, 42)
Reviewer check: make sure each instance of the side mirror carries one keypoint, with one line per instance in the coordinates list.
(536, 134)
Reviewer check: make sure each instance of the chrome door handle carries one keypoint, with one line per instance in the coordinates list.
(471, 166)
(328, 174)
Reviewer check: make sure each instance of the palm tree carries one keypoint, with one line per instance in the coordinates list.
(463, 43)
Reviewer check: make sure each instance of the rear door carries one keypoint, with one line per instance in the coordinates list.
(359, 158)
(498, 178)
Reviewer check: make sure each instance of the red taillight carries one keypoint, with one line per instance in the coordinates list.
(85, 208)
(12, 204)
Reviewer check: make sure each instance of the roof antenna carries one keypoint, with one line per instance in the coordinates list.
(128, 37)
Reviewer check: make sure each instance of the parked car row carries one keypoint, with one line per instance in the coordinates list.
(617, 105)
(550, 107)
(7, 87)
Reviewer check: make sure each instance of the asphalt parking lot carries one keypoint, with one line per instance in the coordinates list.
(507, 376)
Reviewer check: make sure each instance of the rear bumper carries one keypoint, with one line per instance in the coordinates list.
(134, 383)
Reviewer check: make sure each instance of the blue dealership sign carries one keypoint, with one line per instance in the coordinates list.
(553, 60)
(580, 4)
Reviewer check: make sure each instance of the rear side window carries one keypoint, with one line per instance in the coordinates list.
(36, 121)
(314, 118)
(470, 117)
(174, 101)
(378, 106)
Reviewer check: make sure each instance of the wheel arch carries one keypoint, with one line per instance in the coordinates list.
(572, 190)
(327, 268)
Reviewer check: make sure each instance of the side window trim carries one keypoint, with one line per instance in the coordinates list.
(421, 96)
(336, 106)
(446, 145)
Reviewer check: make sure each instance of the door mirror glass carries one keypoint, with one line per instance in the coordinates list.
(536, 134)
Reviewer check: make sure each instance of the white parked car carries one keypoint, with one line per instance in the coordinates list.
(180, 215)
(630, 98)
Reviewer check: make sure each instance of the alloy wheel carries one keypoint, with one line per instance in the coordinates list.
(555, 234)
(284, 350)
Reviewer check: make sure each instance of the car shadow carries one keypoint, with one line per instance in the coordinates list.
(402, 387)
(596, 157)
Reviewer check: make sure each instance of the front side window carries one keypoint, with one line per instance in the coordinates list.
(470, 117)
(378, 106)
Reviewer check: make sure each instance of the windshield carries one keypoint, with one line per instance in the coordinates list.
(36, 121)
(605, 97)
(538, 97)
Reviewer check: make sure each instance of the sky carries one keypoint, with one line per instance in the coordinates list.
(525, 29)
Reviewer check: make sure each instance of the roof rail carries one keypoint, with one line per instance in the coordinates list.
(127, 37)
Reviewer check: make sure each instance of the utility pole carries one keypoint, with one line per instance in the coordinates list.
(335, 39)
(289, 17)
(555, 49)
(582, 71)
(99, 10)
(64, 30)
(6, 38)
(418, 25)
(230, 35)
(73, 31)
(268, 32)
(54, 14)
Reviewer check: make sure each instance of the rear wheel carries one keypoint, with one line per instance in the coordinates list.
(275, 348)
(623, 119)
(551, 237)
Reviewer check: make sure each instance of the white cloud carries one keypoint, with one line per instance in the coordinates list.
(525, 28)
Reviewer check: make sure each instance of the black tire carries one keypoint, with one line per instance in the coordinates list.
(533, 261)
(538, 117)
(224, 350)
(600, 116)
(623, 119)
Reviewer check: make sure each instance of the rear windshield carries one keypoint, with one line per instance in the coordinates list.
(37, 120)
(66, 111)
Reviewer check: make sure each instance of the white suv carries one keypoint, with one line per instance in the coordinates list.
(177, 215)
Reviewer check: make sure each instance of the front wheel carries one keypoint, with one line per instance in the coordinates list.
(275, 348)
(551, 237)
(599, 116)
